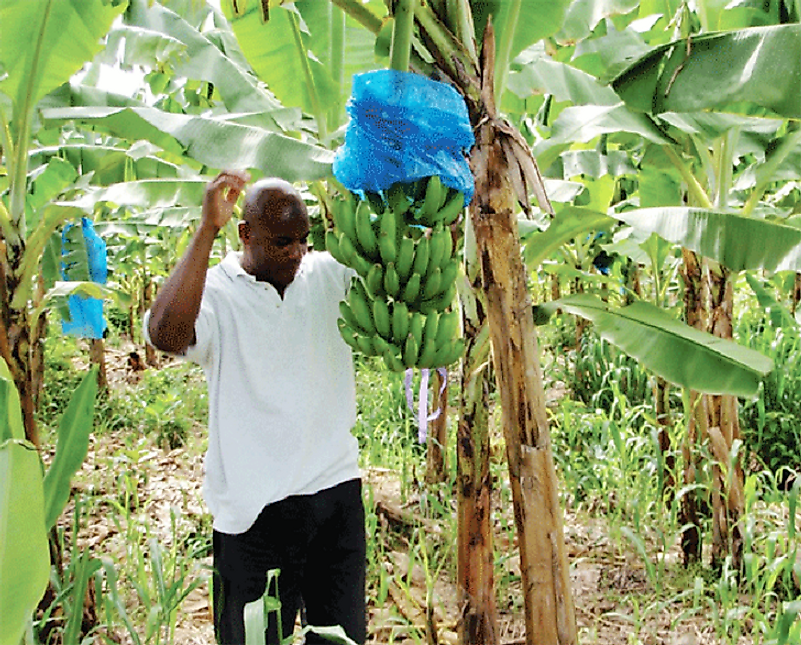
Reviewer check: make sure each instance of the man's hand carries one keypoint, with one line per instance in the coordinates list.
(221, 195)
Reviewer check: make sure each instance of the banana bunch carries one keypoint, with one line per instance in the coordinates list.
(401, 247)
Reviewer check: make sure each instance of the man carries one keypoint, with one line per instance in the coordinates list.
(282, 478)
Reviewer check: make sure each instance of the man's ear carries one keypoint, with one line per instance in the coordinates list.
(244, 231)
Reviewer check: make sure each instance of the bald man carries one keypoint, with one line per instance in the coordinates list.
(282, 480)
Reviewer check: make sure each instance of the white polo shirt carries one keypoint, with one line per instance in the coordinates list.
(282, 396)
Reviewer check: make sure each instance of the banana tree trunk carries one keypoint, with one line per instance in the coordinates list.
(549, 612)
(15, 334)
(475, 563)
(796, 297)
(436, 453)
(728, 498)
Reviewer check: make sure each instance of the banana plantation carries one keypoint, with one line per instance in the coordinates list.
(577, 351)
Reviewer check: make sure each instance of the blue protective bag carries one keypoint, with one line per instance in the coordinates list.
(404, 127)
(86, 313)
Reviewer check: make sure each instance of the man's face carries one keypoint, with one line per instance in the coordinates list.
(275, 237)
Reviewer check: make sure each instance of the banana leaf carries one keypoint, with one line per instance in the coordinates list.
(213, 142)
(71, 446)
(24, 552)
(204, 60)
(678, 353)
(758, 66)
(568, 223)
(737, 242)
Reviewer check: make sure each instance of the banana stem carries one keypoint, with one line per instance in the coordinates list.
(319, 115)
(337, 58)
(402, 35)
(460, 21)
(696, 190)
(360, 13)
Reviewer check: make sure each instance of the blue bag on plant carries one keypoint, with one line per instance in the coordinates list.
(404, 127)
(86, 313)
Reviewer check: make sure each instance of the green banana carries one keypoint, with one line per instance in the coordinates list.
(416, 324)
(427, 354)
(380, 345)
(349, 317)
(374, 281)
(453, 207)
(400, 322)
(387, 237)
(332, 246)
(433, 200)
(359, 303)
(437, 247)
(391, 280)
(365, 235)
(421, 253)
(381, 318)
(440, 302)
(405, 259)
(396, 199)
(432, 284)
(449, 274)
(365, 345)
(430, 326)
(351, 256)
(411, 290)
(345, 216)
(392, 359)
(447, 328)
(447, 254)
(410, 350)
(449, 353)
(348, 334)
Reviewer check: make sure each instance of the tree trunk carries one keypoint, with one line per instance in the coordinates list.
(665, 423)
(97, 355)
(37, 347)
(796, 298)
(723, 427)
(475, 563)
(436, 453)
(549, 612)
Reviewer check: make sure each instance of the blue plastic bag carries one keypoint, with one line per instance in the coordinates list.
(86, 313)
(404, 127)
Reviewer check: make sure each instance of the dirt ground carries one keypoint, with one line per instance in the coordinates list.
(610, 588)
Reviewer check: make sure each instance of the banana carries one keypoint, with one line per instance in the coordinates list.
(449, 274)
(392, 359)
(432, 284)
(351, 256)
(410, 350)
(382, 319)
(391, 280)
(380, 346)
(365, 235)
(437, 247)
(447, 254)
(396, 199)
(416, 324)
(421, 253)
(403, 264)
(440, 302)
(447, 327)
(348, 334)
(411, 290)
(374, 281)
(345, 216)
(400, 322)
(387, 237)
(432, 202)
(359, 303)
(453, 207)
(332, 246)
(430, 326)
(349, 318)
(449, 353)
(428, 353)
(365, 345)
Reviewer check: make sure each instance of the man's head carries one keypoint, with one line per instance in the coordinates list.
(274, 231)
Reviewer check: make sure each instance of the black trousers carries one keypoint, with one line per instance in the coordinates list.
(318, 543)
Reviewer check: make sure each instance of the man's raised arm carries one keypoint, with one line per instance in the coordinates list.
(172, 317)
